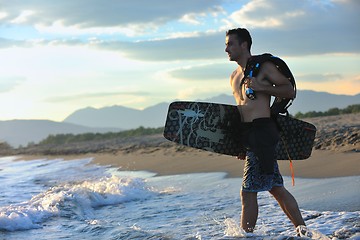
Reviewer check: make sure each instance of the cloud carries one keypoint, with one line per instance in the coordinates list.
(302, 27)
(328, 77)
(292, 28)
(282, 27)
(206, 46)
(93, 13)
(264, 14)
(7, 43)
(204, 72)
(296, 14)
(8, 83)
(77, 97)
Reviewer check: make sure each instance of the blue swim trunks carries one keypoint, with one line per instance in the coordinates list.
(255, 180)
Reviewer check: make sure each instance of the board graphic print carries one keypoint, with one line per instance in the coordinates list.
(214, 127)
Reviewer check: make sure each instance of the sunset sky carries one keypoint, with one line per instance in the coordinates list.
(60, 56)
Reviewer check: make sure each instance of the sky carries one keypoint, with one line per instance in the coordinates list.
(60, 56)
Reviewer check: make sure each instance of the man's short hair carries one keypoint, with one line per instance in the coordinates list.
(242, 34)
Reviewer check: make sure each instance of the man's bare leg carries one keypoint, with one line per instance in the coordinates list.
(249, 213)
(288, 204)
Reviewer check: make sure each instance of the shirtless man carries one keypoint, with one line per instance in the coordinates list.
(255, 114)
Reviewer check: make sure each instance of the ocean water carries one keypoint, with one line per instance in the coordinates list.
(57, 199)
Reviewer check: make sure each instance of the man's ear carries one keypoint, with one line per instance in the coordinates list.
(244, 45)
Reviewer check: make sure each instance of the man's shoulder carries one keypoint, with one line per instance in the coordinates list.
(234, 73)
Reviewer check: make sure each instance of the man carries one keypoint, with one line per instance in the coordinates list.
(259, 131)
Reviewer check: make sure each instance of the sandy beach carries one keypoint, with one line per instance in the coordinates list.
(322, 164)
(170, 161)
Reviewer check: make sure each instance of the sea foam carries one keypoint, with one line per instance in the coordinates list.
(72, 199)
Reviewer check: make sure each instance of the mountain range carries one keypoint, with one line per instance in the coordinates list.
(118, 118)
(22, 132)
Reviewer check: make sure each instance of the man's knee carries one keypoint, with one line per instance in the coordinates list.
(278, 191)
(248, 197)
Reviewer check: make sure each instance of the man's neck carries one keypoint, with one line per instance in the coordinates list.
(243, 61)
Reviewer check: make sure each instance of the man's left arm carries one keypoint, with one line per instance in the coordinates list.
(279, 86)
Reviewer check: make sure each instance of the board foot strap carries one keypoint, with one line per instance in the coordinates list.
(291, 163)
(292, 173)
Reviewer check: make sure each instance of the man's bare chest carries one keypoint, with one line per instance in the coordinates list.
(238, 86)
(236, 81)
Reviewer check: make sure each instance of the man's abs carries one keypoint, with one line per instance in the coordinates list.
(253, 109)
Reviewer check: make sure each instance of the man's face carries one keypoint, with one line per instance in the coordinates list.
(233, 48)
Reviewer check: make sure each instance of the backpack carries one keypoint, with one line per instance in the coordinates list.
(279, 105)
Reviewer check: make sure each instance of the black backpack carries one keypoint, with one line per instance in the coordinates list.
(279, 105)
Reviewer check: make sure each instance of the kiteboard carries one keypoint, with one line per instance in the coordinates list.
(214, 127)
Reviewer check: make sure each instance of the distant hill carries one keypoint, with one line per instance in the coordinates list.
(127, 118)
(307, 101)
(22, 132)
(120, 117)
(117, 118)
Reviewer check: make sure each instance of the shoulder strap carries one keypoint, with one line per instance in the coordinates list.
(280, 105)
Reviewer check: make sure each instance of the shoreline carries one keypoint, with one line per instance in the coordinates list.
(336, 153)
(174, 161)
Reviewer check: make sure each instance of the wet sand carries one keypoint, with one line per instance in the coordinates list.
(170, 161)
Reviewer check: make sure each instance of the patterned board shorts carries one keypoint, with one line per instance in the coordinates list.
(254, 180)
